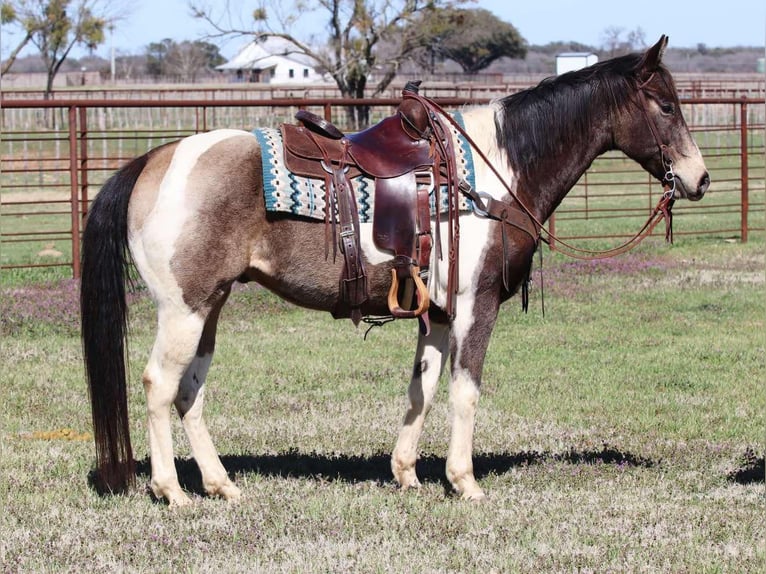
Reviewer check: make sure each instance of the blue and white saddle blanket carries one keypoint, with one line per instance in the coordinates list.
(287, 192)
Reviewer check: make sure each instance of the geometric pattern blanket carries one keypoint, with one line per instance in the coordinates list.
(287, 192)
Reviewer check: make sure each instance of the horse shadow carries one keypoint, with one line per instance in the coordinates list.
(751, 469)
(376, 468)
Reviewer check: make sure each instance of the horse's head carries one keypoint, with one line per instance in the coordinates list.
(653, 132)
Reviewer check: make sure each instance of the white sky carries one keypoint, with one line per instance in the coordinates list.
(687, 22)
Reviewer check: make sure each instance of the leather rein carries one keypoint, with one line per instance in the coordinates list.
(522, 216)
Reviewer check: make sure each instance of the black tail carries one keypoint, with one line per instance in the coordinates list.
(104, 314)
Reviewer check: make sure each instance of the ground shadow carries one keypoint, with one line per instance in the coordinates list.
(377, 467)
(752, 469)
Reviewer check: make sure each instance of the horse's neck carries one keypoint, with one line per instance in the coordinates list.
(550, 179)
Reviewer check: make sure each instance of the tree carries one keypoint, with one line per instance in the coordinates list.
(637, 39)
(55, 27)
(356, 29)
(614, 45)
(612, 40)
(187, 59)
(157, 56)
(184, 59)
(8, 15)
(473, 38)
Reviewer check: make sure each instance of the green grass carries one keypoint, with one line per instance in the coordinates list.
(609, 434)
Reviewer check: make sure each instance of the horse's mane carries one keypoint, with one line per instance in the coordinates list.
(548, 119)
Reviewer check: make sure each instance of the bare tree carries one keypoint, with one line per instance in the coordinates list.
(637, 39)
(612, 40)
(187, 59)
(355, 31)
(615, 44)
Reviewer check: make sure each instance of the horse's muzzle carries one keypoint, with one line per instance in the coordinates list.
(690, 193)
(702, 186)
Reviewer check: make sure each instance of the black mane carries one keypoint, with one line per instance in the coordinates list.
(547, 120)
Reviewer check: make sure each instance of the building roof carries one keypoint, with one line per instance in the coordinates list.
(262, 55)
(574, 54)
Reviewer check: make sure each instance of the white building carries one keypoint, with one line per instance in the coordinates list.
(270, 62)
(571, 61)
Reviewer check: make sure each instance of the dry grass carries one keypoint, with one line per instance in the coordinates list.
(621, 433)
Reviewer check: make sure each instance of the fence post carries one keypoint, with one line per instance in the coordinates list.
(74, 191)
(745, 195)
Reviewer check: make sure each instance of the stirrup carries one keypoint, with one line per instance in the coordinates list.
(422, 295)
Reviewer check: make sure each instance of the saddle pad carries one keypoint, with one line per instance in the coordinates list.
(287, 192)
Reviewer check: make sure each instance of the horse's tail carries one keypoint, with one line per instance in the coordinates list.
(104, 314)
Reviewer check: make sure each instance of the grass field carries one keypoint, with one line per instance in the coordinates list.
(622, 432)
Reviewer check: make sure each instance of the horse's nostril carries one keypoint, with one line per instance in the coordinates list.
(704, 184)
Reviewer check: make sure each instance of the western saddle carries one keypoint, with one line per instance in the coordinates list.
(408, 154)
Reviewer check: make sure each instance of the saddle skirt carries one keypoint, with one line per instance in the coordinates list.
(288, 192)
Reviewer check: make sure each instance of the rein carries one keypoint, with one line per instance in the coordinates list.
(499, 210)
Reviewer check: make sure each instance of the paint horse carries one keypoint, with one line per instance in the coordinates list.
(191, 217)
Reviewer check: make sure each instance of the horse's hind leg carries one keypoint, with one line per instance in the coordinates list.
(189, 404)
(175, 347)
(430, 358)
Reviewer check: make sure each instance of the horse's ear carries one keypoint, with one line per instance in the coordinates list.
(653, 57)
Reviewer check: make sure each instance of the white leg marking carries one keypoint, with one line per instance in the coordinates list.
(189, 404)
(430, 358)
(174, 348)
(464, 398)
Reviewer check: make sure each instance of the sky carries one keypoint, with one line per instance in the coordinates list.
(687, 22)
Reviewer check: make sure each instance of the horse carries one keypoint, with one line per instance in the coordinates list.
(190, 216)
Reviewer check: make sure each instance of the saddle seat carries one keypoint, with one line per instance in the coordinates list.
(384, 150)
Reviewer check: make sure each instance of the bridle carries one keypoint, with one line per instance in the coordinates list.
(669, 178)
(509, 214)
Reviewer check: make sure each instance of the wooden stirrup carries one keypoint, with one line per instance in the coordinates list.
(422, 294)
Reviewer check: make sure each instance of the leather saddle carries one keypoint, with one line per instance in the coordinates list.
(398, 152)
(384, 150)
(408, 154)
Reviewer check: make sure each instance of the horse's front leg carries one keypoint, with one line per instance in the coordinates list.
(430, 358)
(470, 334)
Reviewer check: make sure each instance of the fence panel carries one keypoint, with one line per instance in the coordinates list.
(57, 154)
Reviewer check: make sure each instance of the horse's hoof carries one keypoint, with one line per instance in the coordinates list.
(476, 496)
(229, 492)
(178, 500)
(467, 487)
(174, 496)
(405, 476)
(412, 484)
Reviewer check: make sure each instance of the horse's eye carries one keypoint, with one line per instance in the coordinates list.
(667, 109)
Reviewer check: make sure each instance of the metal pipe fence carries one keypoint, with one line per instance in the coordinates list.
(56, 154)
